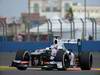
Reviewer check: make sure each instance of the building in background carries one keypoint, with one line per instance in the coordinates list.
(34, 18)
(32, 23)
(91, 11)
(59, 8)
(50, 8)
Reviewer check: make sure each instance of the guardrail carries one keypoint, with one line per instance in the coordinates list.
(30, 46)
(85, 45)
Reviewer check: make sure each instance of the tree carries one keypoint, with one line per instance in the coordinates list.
(69, 14)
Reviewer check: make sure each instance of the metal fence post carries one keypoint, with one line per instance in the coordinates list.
(38, 32)
(51, 33)
(73, 29)
(92, 27)
(3, 30)
(71, 34)
(48, 29)
(60, 27)
(85, 9)
(29, 14)
(82, 29)
(28, 31)
(95, 26)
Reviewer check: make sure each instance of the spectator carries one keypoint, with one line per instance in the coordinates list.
(18, 37)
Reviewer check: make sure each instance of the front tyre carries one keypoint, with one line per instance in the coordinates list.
(21, 68)
(23, 56)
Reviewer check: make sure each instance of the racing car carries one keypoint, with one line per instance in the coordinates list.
(62, 60)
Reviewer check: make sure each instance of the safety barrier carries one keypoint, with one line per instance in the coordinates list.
(89, 45)
(71, 47)
(30, 46)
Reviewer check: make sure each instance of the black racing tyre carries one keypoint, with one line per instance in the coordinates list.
(21, 68)
(60, 69)
(22, 55)
(19, 55)
(85, 59)
(66, 61)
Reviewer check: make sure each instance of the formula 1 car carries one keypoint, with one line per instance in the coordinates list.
(41, 58)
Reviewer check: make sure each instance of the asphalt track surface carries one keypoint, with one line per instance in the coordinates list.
(32, 72)
(6, 58)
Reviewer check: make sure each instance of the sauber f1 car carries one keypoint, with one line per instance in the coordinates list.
(44, 59)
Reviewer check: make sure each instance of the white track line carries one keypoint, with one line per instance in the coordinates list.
(68, 69)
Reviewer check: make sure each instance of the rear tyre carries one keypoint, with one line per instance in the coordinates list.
(85, 59)
(22, 55)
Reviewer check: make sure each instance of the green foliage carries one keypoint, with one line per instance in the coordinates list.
(69, 14)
